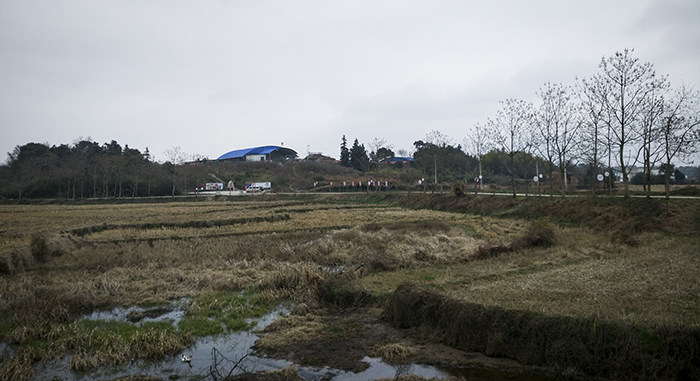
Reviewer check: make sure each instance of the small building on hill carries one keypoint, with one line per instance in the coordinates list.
(264, 153)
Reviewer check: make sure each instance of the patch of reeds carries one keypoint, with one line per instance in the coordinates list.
(285, 374)
(97, 343)
(387, 247)
(16, 260)
(41, 248)
(538, 233)
(94, 344)
(394, 353)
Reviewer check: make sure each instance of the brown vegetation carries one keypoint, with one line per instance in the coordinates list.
(58, 262)
(574, 346)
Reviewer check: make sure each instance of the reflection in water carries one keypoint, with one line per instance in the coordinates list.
(5, 350)
(135, 314)
(223, 353)
(380, 369)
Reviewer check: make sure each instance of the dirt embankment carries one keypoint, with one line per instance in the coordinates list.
(574, 347)
(619, 216)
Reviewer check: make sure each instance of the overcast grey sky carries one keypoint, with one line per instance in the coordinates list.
(213, 76)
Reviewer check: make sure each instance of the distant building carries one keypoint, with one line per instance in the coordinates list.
(264, 153)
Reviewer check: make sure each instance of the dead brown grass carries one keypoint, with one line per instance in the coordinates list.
(323, 253)
(57, 276)
(651, 284)
(575, 346)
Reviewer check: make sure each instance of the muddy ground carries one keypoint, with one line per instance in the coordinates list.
(340, 339)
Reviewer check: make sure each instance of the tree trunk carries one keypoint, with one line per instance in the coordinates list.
(512, 171)
(667, 179)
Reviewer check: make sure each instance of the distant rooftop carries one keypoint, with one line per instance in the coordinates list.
(397, 159)
(241, 154)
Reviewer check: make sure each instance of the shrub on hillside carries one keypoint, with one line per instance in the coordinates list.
(540, 232)
(459, 189)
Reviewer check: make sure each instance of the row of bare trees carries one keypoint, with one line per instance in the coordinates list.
(624, 115)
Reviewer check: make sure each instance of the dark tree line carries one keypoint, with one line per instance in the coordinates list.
(82, 170)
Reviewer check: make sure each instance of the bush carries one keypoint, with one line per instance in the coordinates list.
(459, 189)
(540, 232)
(39, 248)
(5, 265)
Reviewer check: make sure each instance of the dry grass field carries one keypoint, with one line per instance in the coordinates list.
(232, 259)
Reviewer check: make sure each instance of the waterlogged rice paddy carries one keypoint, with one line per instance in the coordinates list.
(210, 266)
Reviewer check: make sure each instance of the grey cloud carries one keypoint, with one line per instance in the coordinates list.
(217, 75)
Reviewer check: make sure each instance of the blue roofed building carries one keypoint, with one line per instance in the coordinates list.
(264, 153)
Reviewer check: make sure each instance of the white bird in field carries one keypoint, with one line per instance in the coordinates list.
(186, 358)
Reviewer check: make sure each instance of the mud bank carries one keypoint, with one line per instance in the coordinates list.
(569, 346)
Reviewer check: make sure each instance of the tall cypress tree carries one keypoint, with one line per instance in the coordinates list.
(358, 157)
(344, 153)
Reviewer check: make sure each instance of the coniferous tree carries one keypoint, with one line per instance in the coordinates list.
(344, 153)
(358, 157)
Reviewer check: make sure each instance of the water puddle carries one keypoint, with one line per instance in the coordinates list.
(137, 315)
(380, 369)
(224, 355)
(5, 350)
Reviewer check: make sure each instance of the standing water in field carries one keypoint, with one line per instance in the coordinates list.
(219, 355)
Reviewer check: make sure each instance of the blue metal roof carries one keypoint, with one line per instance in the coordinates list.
(240, 153)
(397, 159)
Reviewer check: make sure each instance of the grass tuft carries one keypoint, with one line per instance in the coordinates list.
(540, 232)
(393, 353)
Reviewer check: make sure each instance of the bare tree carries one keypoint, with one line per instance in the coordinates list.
(438, 138)
(175, 157)
(546, 119)
(680, 130)
(629, 83)
(477, 141)
(594, 143)
(377, 153)
(404, 152)
(651, 148)
(377, 143)
(556, 128)
(510, 130)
